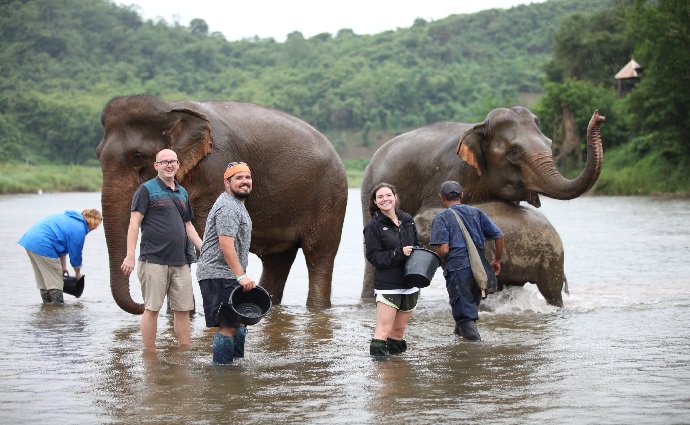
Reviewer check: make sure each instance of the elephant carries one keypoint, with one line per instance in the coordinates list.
(505, 157)
(532, 251)
(299, 182)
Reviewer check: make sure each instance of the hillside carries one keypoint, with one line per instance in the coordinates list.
(63, 60)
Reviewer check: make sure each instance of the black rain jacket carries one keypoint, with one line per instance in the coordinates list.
(383, 245)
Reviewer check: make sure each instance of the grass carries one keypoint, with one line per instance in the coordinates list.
(653, 174)
(17, 178)
(622, 174)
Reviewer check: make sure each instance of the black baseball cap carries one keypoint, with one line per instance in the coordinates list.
(450, 186)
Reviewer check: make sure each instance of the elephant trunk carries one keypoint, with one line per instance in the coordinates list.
(116, 214)
(549, 182)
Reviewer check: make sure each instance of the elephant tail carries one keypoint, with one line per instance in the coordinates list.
(565, 285)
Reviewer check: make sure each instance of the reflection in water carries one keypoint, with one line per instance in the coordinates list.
(617, 353)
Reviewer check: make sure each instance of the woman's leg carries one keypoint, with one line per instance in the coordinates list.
(399, 325)
(385, 319)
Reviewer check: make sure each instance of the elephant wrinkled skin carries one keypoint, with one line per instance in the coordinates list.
(300, 186)
(504, 158)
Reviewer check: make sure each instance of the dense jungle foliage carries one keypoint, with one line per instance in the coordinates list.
(62, 60)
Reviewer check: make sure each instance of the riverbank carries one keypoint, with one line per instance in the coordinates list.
(650, 176)
(20, 178)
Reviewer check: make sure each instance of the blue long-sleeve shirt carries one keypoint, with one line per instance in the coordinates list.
(58, 235)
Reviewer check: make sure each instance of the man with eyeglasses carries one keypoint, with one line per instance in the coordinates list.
(223, 262)
(161, 208)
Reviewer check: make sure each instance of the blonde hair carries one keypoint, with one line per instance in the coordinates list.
(93, 217)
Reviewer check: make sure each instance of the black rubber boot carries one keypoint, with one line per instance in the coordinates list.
(45, 295)
(468, 330)
(56, 296)
(240, 336)
(378, 348)
(396, 346)
(223, 348)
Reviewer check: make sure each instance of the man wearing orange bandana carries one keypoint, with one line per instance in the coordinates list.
(223, 262)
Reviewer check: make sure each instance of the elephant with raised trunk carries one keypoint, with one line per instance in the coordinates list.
(300, 186)
(504, 158)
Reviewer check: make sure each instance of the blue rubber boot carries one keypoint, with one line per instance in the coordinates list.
(223, 348)
(240, 336)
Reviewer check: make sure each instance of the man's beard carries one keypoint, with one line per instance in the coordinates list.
(241, 195)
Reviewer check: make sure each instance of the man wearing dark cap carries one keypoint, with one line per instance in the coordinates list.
(463, 291)
(223, 262)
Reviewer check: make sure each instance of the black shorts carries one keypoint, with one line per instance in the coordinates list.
(216, 296)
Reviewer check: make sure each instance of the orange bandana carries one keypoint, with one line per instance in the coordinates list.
(237, 168)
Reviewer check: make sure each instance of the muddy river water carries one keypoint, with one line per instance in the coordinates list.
(617, 353)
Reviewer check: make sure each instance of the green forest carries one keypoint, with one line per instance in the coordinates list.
(62, 60)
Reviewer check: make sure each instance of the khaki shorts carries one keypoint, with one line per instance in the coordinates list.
(48, 271)
(158, 280)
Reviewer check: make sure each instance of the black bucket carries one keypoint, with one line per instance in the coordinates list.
(252, 305)
(420, 267)
(73, 286)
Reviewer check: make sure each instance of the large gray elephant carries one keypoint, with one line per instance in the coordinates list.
(506, 157)
(532, 251)
(300, 186)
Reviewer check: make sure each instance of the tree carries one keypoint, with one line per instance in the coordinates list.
(590, 47)
(660, 104)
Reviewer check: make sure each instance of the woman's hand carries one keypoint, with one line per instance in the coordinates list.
(407, 250)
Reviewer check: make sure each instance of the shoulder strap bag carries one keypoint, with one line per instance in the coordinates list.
(189, 248)
(484, 275)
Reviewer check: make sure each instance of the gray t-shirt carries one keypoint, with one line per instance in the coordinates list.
(228, 217)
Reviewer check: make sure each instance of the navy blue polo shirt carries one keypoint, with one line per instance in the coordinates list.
(163, 235)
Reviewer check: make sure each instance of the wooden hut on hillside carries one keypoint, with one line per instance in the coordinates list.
(627, 78)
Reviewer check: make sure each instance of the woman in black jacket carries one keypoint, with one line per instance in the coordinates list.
(389, 237)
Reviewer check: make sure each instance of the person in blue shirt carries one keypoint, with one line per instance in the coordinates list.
(48, 243)
(463, 292)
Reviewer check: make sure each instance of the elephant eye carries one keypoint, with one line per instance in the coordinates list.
(513, 152)
(138, 159)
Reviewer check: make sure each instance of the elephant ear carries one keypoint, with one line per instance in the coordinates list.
(189, 137)
(470, 147)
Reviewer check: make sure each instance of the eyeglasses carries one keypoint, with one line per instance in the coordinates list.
(232, 164)
(166, 162)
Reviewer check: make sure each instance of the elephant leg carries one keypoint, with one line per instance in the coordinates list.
(320, 265)
(368, 282)
(551, 290)
(276, 268)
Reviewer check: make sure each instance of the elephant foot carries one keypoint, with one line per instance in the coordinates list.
(468, 330)
(378, 348)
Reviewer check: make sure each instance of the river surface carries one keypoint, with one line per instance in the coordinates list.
(617, 353)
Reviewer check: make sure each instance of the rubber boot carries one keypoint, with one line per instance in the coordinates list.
(45, 295)
(378, 348)
(223, 348)
(396, 346)
(468, 330)
(240, 336)
(56, 296)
